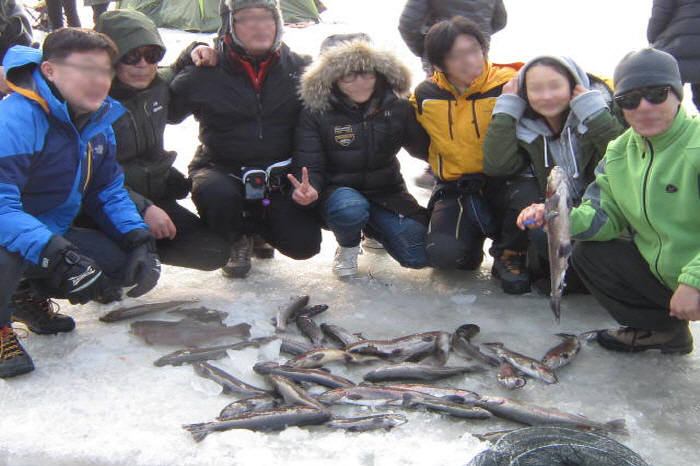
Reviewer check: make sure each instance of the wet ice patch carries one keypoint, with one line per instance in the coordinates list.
(463, 299)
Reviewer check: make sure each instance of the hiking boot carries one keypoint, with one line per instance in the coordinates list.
(372, 245)
(238, 264)
(39, 315)
(345, 262)
(630, 339)
(13, 359)
(510, 269)
(426, 180)
(471, 261)
(261, 249)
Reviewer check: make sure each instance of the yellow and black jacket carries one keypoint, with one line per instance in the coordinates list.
(457, 124)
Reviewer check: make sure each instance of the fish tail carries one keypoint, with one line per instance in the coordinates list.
(617, 426)
(198, 431)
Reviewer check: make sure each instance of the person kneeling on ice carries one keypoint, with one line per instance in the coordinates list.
(353, 124)
(649, 181)
(57, 154)
(551, 114)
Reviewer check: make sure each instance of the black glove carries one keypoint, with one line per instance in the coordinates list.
(142, 263)
(71, 275)
(177, 186)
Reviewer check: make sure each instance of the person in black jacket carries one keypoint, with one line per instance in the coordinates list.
(14, 30)
(674, 27)
(154, 185)
(247, 107)
(352, 126)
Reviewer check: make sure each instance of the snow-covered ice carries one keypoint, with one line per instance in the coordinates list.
(95, 397)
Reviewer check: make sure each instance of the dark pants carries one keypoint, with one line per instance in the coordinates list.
(220, 201)
(91, 243)
(620, 280)
(195, 245)
(462, 219)
(55, 10)
(97, 10)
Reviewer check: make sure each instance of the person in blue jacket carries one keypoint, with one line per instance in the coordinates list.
(57, 155)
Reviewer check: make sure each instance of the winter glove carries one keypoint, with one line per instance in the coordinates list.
(142, 263)
(72, 275)
(176, 185)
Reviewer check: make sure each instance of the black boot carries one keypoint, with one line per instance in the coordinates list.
(13, 359)
(39, 315)
(261, 249)
(238, 264)
(510, 269)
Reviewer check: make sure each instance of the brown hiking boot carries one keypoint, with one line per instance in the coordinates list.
(630, 339)
(262, 249)
(238, 264)
(13, 359)
(39, 315)
(511, 270)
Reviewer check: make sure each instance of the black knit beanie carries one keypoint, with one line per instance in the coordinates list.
(645, 68)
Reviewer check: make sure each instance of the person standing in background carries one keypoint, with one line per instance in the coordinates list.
(56, 9)
(98, 7)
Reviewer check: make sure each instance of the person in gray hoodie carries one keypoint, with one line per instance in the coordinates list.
(551, 114)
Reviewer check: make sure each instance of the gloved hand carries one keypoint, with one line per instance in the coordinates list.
(177, 186)
(142, 263)
(71, 275)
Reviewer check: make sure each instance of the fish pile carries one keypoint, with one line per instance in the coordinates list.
(302, 391)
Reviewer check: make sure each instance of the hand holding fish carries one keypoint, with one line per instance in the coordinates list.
(685, 303)
(304, 193)
(531, 217)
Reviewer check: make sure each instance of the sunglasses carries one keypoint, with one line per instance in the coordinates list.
(152, 54)
(653, 95)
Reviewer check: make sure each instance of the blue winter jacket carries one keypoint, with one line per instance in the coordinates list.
(49, 169)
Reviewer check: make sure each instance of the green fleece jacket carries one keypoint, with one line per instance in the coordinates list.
(651, 185)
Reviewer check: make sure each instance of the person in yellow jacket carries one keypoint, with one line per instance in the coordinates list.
(454, 106)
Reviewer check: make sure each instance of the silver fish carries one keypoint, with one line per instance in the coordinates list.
(443, 346)
(462, 345)
(557, 205)
(292, 393)
(321, 356)
(509, 377)
(492, 437)
(310, 330)
(363, 395)
(525, 364)
(303, 375)
(454, 395)
(465, 411)
(254, 403)
(186, 332)
(537, 415)
(367, 423)
(179, 357)
(310, 311)
(563, 353)
(285, 313)
(413, 371)
(409, 348)
(142, 309)
(340, 336)
(295, 347)
(226, 380)
(269, 420)
(202, 314)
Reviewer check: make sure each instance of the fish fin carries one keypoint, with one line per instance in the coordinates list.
(198, 431)
(564, 250)
(565, 335)
(617, 426)
(493, 345)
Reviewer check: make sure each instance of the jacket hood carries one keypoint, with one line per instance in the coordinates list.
(572, 67)
(129, 29)
(345, 58)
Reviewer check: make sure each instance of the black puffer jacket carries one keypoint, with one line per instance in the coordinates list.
(239, 126)
(348, 145)
(674, 27)
(14, 26)
(419, 15)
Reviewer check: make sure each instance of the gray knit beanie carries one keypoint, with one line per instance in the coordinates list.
(237, 5)
(645, 68)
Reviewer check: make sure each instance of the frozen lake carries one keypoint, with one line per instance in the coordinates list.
(95, 397)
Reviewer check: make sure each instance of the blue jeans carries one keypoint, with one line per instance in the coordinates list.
(347, 213)
(91, 243)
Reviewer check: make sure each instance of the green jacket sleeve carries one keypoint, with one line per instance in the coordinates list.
(598, 218)
(690, 273)
(502, 156)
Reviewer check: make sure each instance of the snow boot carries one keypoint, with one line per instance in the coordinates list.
(510, 269)
(14, 360)
(345, 262)
(372, 245)
(238, 264)
(261, 249)
(39, 315)
(628, 339)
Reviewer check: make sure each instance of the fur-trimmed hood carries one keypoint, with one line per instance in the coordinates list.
(348, 57)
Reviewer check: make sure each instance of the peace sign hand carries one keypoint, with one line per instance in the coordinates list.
(304, 194)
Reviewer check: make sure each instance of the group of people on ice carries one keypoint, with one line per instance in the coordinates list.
(88, 194)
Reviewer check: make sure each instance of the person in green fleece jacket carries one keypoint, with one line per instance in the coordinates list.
(649, 182)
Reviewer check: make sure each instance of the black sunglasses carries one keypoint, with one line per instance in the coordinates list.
(653, 95)
(152, 54)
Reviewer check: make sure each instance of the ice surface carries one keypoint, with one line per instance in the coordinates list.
(95, 397)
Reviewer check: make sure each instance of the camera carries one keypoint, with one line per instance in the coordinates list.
(255, 183)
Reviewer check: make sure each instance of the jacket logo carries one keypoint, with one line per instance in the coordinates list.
(98, 149)
(156, 107)
(344, 135)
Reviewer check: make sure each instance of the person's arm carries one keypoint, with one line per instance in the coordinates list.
(591, 109)
(415, 139)
(661, 14)
(309, 152)
(411, 25)
(180, 106)
(500, 17)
